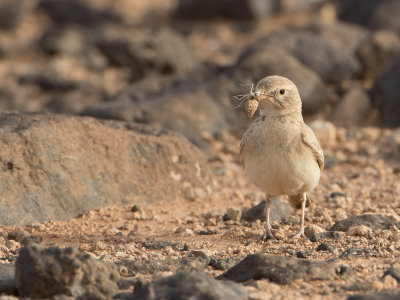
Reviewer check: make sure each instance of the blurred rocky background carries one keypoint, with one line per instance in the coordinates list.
(178, 64)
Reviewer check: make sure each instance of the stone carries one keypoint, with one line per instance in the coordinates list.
(233, 214)
(223, 263)
(376, 51)
(375, 296)
(279, 269)
(393, 272)
(190, 285)
(374, 222)
(311, 229)
(165, 52)
(259, 61)
(325, 247)
(327, 59)
(356, 11)
(386, 94)
(376, 14)
(316, 237)
(303, 254)
(7, 280)
(77, 12)
(353, 109)
(45, 272)
(361, 230)
(237, 10)
(279, 211)
(56, 166)
(346, 36)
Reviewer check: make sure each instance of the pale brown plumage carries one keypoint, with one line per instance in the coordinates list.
(280, 152)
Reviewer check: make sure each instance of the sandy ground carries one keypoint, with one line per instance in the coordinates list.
(362, 165)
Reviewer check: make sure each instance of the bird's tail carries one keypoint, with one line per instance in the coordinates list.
(295, 200)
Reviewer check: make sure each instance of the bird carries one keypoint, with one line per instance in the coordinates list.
(280, 153)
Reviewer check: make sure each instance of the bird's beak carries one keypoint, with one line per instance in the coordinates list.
(262, 95)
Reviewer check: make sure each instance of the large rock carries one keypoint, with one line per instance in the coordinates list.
(256, 63)
(386, 93)
(165, 52)
(375, 222)
(374, 14)
(279, 269)
(45, 272)
(190, 285)
(56, 167)
(7, 281)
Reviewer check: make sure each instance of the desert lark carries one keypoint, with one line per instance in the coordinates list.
(281, 154)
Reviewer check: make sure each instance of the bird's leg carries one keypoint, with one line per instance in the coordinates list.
(268, 229)
(303, 211)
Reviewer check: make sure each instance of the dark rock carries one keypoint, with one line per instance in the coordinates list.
(356, 11)
(56, 166)
(190, 285)
(351, 253)
(12, 12)
(329, 60)
(165, 52)
(386, 94)
(76, 12)
(223, 263)
(50, 82)
(325, 247)
(394, 272)
(316, 237)
(207, 232)
(279, 210)
(375, 222)
(282, 270)
(375, 296)
(44, 272)
(303, 254)
(258, 62)
(376, 51)
(7, 281)
(237, 10)
(374, 14)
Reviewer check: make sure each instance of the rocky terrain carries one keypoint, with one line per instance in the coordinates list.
(119, 132)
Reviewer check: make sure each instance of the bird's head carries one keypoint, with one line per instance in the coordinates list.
(277, 95)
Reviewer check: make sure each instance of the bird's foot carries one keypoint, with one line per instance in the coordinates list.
(300, 234)
(269, 234)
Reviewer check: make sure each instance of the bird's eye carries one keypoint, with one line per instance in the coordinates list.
(282, 92)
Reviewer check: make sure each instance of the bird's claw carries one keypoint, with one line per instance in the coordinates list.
(268, 235)
(300, 234)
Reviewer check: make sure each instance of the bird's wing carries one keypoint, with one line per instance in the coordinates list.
(309, 139)
(247, 135)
